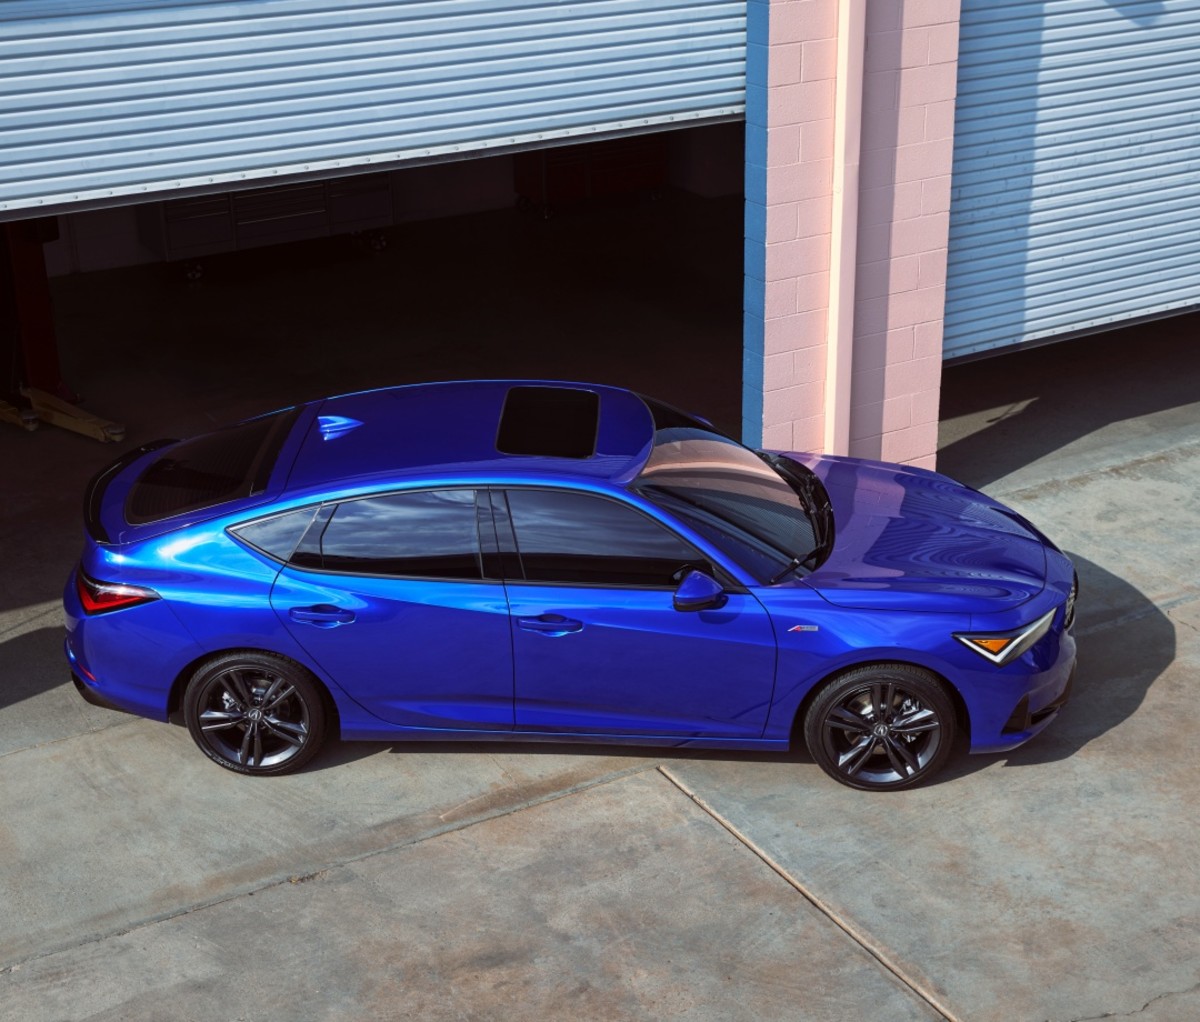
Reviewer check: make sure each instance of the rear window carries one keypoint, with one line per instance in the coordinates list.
(208, 470)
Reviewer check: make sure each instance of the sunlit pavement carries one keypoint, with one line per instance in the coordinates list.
(1059, 882)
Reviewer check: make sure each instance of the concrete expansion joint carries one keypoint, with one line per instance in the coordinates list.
(70, 738)
(50, 608)
(1163, 605)
(1137, 1011)
(1120, 468)
(863, 940)
(319, 872)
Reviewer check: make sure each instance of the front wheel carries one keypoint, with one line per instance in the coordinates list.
(881, 727)
(255, 713)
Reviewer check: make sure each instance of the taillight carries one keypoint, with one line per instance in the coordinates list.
(101, 597)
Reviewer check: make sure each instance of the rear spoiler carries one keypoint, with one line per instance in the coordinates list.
(93, 496)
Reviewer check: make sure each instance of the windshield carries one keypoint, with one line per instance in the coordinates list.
(769, 520)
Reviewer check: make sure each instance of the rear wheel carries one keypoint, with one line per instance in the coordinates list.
(255, 713)
(881, 727)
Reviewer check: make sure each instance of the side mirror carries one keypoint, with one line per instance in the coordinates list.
(699, 591)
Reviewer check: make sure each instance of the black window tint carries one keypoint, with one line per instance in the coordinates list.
(278, 536)
(557, 422)
(427, 534)
(210, 469)
(579, 538)
(761, 559)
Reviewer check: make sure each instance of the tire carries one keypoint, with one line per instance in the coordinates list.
(912, 741)
(255, 713)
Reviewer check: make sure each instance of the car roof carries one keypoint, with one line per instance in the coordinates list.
(458, 429)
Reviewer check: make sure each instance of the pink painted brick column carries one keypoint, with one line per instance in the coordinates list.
(802, 65)
(904, 196)
(904, 219)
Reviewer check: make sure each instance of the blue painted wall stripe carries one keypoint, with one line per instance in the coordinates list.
(754, 288)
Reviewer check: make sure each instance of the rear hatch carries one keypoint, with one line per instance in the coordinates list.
(167, 484)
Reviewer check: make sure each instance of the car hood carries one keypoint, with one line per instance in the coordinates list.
(912, 537)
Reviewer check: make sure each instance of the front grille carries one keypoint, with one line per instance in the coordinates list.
(1069, 618)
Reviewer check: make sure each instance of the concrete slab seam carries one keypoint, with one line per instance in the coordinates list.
(279, 879)
(1137, 1011)
(38, 611)
(861, 939)
(71, 738)
(1119, 468)
(1156, 606)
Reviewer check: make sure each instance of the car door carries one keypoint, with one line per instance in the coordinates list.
(388, 595)
(598, 645)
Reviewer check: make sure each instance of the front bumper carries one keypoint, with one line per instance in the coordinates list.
(1024, 704)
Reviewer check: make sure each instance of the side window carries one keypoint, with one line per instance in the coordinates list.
(587, 540)
(424, 534)
(761, 559)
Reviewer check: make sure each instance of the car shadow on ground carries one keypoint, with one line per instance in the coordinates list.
(31, 663)
(338, 752)
(1125, 644)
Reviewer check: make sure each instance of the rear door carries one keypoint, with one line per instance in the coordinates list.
(598, 645)
(388, 594)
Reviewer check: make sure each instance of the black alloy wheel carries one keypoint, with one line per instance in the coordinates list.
(255, 713)
(881, 727)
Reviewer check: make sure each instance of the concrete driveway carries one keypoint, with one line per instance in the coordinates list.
(1057, 883)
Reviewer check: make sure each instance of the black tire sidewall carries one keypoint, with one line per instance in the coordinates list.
(927, 687)
(307, 690)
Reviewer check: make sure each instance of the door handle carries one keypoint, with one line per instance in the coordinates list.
(323, 615)
(550, 624)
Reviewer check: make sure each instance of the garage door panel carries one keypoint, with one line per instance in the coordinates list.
(1075, 202)
(104, 100)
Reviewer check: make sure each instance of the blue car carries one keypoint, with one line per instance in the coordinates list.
(560, 561)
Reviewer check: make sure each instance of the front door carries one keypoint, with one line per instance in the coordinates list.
(598, 646)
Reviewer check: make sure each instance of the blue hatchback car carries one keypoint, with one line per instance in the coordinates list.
(558, 561)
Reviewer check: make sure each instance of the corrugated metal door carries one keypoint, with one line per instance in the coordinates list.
(108, 100)
(1076, 189)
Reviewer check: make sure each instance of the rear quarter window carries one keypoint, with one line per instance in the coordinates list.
(278, 536)
(210, 470)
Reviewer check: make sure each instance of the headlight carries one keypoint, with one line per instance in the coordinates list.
(1004, 647)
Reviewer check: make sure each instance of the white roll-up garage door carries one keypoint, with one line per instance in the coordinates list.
(1076, 188)
(105, 101)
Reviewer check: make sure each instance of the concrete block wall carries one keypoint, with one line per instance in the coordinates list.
(909, 84)
(903, 222)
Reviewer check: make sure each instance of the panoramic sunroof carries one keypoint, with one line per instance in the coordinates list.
(555, 422)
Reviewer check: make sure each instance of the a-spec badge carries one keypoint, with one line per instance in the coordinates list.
(804, 628)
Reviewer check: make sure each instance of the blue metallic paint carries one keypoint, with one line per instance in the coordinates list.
(419, 653)
(916, 558)
(636, 665)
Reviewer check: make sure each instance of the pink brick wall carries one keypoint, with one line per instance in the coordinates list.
(802, 64)
(904, 200)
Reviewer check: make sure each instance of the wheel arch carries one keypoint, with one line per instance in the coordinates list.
(962, 715)
(175, 695)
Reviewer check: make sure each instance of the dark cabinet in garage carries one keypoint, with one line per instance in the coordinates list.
(562, 175)
(207, 224)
